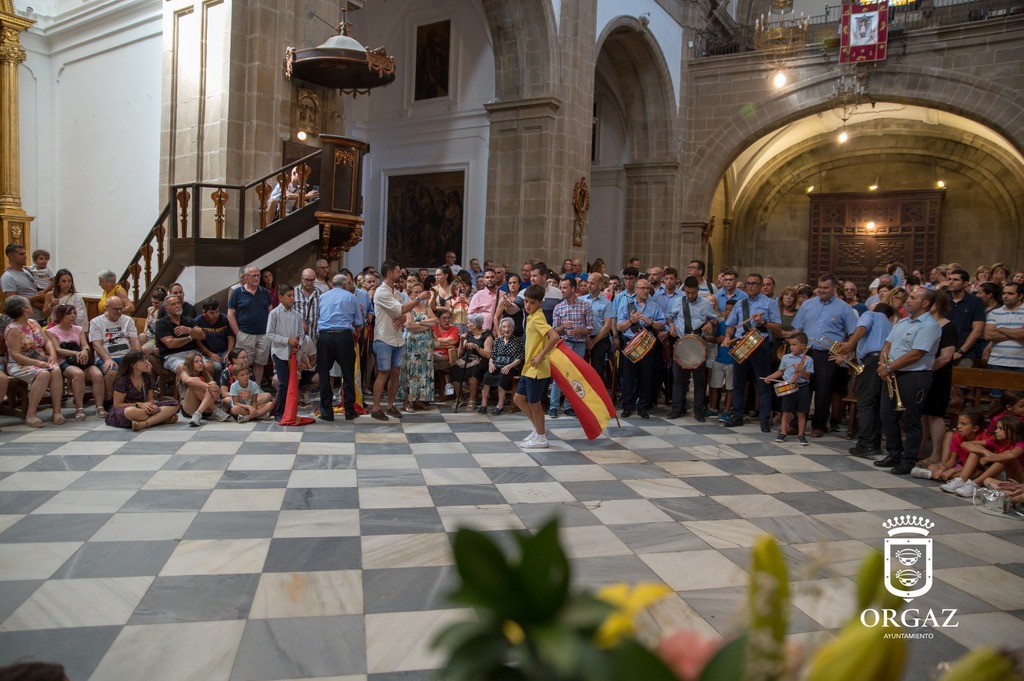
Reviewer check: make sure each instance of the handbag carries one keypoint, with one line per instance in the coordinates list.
(991, 501)
(71, 345)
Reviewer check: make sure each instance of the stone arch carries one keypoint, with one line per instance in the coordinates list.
(524, 36)
(648, 97)
(997, 107)
(978, 159)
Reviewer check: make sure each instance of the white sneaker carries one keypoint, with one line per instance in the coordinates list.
(953, 485)
(539, 442)
(219, 414)
(920, 472)
(242, 418)
(967, 489)
(528, 439)
(196, 420)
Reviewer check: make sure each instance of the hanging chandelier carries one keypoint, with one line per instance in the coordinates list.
(341, 62)
(781, 34)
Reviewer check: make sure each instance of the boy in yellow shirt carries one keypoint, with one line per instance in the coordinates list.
(533, 382)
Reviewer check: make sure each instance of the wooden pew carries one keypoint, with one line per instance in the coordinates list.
(977, 383)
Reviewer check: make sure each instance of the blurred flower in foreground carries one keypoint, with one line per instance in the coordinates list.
(687, 653)
(629, 602)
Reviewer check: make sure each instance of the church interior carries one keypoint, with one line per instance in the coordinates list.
(144, 137)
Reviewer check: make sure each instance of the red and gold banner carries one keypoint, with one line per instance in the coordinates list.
(583, 388)
(865, 33)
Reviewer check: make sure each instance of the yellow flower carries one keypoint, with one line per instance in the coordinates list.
(513, 632)
(629, 602)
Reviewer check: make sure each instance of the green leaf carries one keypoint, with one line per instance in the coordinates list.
(585, 613)
(476, 658)
(728, 662)
(870, 578)
(544, 572)
(487, 579)
(558, 648)
(632, 661)
(456, 634)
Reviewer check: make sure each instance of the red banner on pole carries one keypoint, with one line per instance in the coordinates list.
(865, 33)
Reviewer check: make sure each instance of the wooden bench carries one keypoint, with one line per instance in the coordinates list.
(977, 383)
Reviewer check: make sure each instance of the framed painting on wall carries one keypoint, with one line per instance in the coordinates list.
(433, 52)
(424, 217)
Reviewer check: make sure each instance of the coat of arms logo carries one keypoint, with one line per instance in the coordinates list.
(908, 559)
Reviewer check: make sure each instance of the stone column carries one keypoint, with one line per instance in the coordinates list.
(15, 222)
(651, 230)
(520, 174)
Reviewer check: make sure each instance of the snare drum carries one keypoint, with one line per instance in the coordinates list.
(637, 349)
(746, 346)
(690, 351)
(786, 388)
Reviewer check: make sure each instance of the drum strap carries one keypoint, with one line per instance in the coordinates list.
(746, 312)
(686, 316)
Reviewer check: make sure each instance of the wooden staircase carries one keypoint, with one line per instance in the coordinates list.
(217, 225)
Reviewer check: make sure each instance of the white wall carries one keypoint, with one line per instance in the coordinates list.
(409, 137)
(90, 133)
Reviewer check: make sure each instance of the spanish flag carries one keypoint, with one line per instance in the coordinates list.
(584, 389)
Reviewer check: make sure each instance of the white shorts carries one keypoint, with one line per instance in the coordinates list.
(721, 376)
(257, 346)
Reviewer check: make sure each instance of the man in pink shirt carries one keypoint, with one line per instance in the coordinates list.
(486, 299)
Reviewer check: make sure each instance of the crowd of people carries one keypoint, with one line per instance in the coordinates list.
(467, 336)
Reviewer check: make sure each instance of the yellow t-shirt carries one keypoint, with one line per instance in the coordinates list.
(537, 328)
(102, 305)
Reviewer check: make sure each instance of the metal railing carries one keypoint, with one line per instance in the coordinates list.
(911, 16)
(225, 213)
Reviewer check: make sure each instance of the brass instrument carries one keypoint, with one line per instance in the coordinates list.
(833, 350)
(892, 384)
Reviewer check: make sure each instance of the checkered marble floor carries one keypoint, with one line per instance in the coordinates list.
(255, 552)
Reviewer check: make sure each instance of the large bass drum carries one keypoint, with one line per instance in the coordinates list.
(637, 349)
(690, 351)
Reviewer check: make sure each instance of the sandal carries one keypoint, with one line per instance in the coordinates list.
(101, 412)
(173, 419)
(34, 422)
(496, 411)
(79, 414)
(139, 425)
(58, 419)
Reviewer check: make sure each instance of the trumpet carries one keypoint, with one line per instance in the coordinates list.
(893, 385)
(833, 350)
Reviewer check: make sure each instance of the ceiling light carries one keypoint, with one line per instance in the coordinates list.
(843, 137)
(779, 80)
(872, 187)
(871, 226)
(940, 184)
(301, 135)
(810, 189)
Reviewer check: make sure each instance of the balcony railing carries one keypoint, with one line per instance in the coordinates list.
(908, 17)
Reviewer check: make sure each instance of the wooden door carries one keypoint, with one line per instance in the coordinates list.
(856, 236)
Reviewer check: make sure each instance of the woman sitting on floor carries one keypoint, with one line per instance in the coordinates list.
(200, 394)
(134, 406)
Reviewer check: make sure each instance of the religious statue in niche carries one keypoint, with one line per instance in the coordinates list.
(433, 51)
(307, 111)
(581, 205)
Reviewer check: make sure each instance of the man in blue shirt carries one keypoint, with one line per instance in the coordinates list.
(908, 356)
(665, 295)
(864, 345)
(690, 314)
(600, 342)
(760, 313)
(248, 311)
(827, 317)
(729, 290)
(341, 321)
(635, 317)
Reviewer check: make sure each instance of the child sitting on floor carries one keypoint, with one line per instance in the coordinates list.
(245, 396)
(970, 426)
(1001, 452)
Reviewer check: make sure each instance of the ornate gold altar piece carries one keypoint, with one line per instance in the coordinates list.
(581, 206)
(15, 224)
